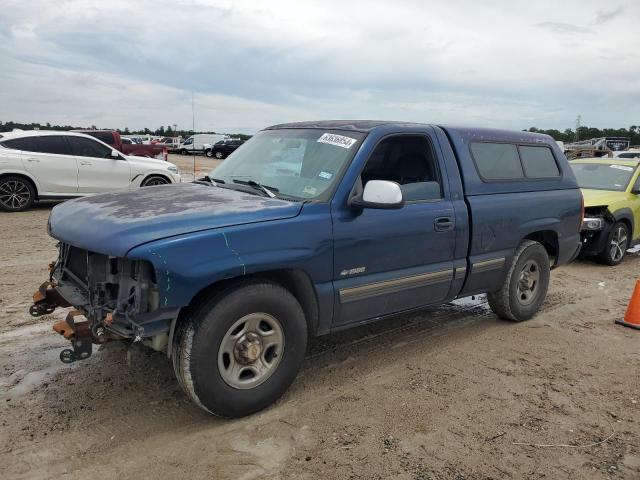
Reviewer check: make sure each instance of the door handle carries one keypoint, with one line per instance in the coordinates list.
(33, 160)
(85, 163)
(443, 224)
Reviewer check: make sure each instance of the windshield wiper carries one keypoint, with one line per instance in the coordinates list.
(258, 186)
(207, 180)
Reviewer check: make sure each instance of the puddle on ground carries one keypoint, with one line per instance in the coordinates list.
(33, 353)
(28, 330)
(479, 301)
(30, 381)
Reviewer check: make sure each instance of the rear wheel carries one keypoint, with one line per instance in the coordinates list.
(218, 154)
(525, 286)
(16, 194)
(238, 352)
(616, 245)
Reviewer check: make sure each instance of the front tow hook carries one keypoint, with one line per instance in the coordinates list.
(46, 299)
(80, 335)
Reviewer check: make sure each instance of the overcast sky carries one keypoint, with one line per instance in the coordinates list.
(134, 63)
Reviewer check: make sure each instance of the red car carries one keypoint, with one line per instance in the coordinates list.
(113, 138)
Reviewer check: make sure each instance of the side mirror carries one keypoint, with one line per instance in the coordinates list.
(636, 190)
(116, 155)
(379, 194)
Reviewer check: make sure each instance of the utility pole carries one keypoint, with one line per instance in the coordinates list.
(578, 127)
(193, 150)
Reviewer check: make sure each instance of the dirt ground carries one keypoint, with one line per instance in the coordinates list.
(446, 393)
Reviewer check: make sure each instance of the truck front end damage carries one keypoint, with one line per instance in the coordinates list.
(114, 298)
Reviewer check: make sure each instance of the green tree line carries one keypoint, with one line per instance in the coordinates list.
(160, 131)
(585, 133)
(568, 135)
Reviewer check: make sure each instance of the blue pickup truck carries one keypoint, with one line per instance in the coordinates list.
(307, 229)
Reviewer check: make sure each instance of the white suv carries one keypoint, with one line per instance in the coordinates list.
(42, 164)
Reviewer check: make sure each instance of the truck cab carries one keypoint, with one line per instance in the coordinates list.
(312, 228)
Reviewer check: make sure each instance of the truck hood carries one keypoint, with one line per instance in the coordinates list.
(597, 198)
(114, 223)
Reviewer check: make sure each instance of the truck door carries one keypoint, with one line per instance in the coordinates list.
(386, 261)
(188, 144)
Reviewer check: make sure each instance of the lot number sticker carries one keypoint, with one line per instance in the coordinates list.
(337, 140)
(622, 167)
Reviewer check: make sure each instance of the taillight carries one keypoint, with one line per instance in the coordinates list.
(581, 211)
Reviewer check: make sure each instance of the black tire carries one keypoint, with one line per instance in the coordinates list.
(17, 194)
(208, 153)
(512, 302)
(199, 338)
(184, 151)
(154, 180)
(614, 254)
(218, 154)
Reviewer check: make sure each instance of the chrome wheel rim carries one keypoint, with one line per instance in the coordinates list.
(528, 282)
(218, 155)
(155, 181)
(618, 243)
(14, 194)
(251, 351)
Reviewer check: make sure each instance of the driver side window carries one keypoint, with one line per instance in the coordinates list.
(409, 161)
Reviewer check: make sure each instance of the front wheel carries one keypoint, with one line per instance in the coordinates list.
(238, 352)
(525, 286)
(616, 245)
(208, 153)
(218, 154)
(154, 180)
(184, 151)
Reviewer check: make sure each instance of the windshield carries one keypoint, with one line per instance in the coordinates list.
(302, 164)
(603, 176)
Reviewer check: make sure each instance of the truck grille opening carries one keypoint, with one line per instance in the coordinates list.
(108, 283)
(77, 262)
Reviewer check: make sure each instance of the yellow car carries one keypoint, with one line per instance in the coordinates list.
(611, 190)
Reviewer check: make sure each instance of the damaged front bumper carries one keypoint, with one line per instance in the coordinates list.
(113, 298)
(595, 228)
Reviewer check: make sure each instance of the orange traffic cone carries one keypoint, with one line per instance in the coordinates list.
(632, 317)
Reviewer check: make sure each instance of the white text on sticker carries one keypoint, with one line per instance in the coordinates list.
(326, 175)
(337, 140)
